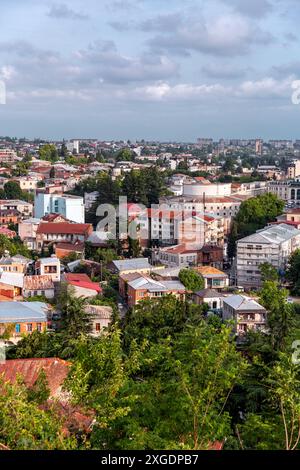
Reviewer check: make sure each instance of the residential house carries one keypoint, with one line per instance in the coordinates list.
(38, 285)
(22, 207)
(11, 285)
(27, 232)
(83, 286)
(134, 287)
(14, 264)
(51, 233)
(140, 265)
(247, 314)
(177, 256)
(64, 249)
(9, 216)
(101, 317)
(7, 232)
(211, 255)
(213, 277)
(48, 267)
(211, 297)
(20, 318)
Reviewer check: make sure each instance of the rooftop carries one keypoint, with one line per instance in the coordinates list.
(82, 280)
(132, 264)
(208, 293)
(23, 312)
(38, 282)
(63, 227)
(272, 234)
(241, 302)
(209, 271)
(56, 371)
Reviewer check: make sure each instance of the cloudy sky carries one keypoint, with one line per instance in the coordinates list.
(153, 69)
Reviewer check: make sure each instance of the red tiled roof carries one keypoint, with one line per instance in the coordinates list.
(82, 280)
(56, 371)
(63, 227)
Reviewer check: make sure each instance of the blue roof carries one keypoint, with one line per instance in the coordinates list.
(12, 312)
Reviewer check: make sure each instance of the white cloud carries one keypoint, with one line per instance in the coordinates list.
(225, 35)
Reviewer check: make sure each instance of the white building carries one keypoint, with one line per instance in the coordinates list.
(71, 207)
(73, 146)
(273, 244)
(202, 187)
(288, 190)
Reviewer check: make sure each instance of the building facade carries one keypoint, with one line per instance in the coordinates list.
(273, 245)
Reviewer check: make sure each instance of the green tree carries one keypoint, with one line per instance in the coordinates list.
(293, 272)
(166, 395)
(24, 425)
(268, 272)
(280, 314)
(48, 152)
(124, 155)
(191, 280)
(152, 320)
(12, 190)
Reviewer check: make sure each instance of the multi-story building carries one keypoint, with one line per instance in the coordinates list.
(225, 207)
(9, 216)
(273, 244)
(293, 170)
(8, 156)
(51, 233)
(14, 264)
(177, 256)
(288, 190)
(71, 207)
(24, 208)
(48, 267)
(246, 313)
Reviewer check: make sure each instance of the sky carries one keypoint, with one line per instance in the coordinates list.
(165, 70)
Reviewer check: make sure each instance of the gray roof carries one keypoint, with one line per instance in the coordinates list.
(147, 283)
(272, 234)
(208, 293)
(241, 302)
(132, 264)
(11, 312)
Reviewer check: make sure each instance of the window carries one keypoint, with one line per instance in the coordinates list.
(29, 327)
(98, 327)
(39, 327)
(18, 328)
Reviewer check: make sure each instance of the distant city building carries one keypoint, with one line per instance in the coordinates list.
(71, 207)
(8, 156)
(293, 169)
